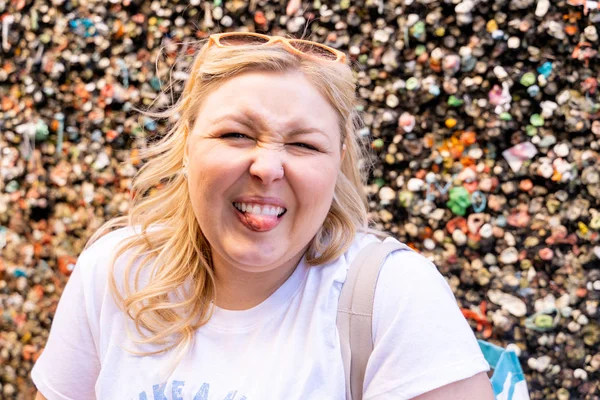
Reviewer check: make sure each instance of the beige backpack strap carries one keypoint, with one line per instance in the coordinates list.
(355, 313)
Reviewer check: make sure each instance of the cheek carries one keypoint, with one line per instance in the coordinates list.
(209, 164)
(316, 186)
(209, 177)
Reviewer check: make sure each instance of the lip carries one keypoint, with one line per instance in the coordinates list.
(259, 224)
(264, 201)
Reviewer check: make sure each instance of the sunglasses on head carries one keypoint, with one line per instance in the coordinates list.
(297, 46)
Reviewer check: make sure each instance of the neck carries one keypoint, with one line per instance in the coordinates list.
(240, 289)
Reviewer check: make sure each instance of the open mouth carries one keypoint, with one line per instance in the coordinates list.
(260, 209)
(259, 217)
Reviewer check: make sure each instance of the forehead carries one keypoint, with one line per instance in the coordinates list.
(275, 99)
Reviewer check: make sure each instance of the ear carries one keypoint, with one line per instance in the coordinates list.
(343, 153)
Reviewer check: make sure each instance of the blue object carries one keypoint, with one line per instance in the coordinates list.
(545, 69)
(97, 135)
(501, 221)
(81, 27)
(155, 83)
(19, 273)
(124, 72)
(508, 380)
(533, 90)
(149, 124)
(468, 64)
(434, 90)
(444, 189)
(478, 201)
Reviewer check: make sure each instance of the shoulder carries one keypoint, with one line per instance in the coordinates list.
(100, 253)
(410, 285)
(402, 267)
(410, 290)
(404, 274)
(407, 271)
(96, 264)
(361, 240)
(105, 247)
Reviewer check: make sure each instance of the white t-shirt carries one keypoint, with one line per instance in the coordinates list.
(285, 348)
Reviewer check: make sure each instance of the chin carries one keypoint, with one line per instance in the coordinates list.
(256, 257)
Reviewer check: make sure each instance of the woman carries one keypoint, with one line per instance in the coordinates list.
(224, 283)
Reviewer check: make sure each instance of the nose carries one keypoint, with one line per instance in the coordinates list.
(266, 165)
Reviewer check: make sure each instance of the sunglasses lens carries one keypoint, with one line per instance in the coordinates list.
(314, 50)
(242, 39)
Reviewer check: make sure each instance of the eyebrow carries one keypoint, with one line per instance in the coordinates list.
(255, 123)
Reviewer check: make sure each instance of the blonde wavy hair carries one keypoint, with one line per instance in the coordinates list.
(176, 300)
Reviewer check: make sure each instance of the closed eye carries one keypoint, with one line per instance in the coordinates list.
(234, 135)
(304, 145)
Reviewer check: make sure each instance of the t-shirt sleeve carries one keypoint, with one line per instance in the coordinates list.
(69, 365)
(421, 339)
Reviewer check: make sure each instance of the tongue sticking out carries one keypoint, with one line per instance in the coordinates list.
(259, 222)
